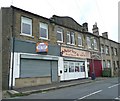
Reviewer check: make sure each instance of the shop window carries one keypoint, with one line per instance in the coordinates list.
(77, 67)
(26, 26)
(82, 67)
(108, 64)
(65, 66)
(71, 67)
(59, 35)
(43, 31)
(104, 64)
(114, 65)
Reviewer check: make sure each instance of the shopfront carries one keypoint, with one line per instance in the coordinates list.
(74, 64)
(33, 65)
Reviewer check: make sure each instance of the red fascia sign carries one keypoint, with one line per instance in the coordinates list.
(41, 47)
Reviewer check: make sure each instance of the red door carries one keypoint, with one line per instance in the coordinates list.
(96, 67)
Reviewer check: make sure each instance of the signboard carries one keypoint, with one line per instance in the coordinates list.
(69, 52)
(41, 47)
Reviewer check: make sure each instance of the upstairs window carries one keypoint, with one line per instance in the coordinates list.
(59, 35)
(88, 42)
(112, 51)
(43, 31)
(26, 26)
(68, 37)
(107, 50)
(72, 38)
(95, 44)
(79, 40)
(115, 51)
(102, 48)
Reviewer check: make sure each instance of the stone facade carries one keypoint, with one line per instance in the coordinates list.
(111, 56)
(11, 31)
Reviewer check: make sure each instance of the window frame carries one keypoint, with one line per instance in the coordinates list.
(89, 42)
(80, 37)
(108, 64)
(29, 22)
(72, 35)
(102, 49)
(95, 44)
(45, 27)
(68, 34)
(107, 50)
(60, 32)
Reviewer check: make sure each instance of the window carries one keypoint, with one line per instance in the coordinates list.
(65, 67)
(72, 38)
(107, 50)
(118, 64)
(79, 40)
(115, 51)
(104, 64)
(102, 48)
(82, 66)
(43, 31)
(88, 42)
(71, 67)
(77, 67)
(59, 35)
(95, 44)
(108, 63)
(114, 65)
(112, 51)
(26, 26)
(68, 37)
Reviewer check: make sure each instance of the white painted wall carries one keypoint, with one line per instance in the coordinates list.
(60, 68)
(16, 68)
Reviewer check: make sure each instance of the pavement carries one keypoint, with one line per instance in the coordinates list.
(48, 87)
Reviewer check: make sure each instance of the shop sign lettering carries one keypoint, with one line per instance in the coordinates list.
(74, 53)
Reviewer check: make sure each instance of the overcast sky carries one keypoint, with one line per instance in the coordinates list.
(104, 12)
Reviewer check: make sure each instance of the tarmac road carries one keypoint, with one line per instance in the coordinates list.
(104, 89)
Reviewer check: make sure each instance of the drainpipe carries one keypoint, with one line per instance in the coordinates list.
(13, 43)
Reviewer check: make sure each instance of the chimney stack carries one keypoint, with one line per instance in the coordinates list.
(85, 27)
(105, 35)
(95, 29)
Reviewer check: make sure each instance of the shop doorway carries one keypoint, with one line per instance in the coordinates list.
(96, 67)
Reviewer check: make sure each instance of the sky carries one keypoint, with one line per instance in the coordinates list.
(102, 12)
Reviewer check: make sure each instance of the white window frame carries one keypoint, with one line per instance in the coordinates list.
(60, 32)
(27, 21)
(72, 38)
(68, 35)
(107, 50)
(95, 44)
(108, 63)
(44, 26)
(102, 48)
(80, 38)
(89, 42)
(115, 51)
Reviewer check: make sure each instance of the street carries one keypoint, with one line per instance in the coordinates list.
(104, 89)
